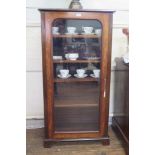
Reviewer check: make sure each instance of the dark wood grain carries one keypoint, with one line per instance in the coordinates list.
(120, 124)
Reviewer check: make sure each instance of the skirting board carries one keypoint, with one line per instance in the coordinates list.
(39, 123)
(34, 123)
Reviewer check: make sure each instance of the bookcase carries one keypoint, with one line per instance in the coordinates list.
(76, 59)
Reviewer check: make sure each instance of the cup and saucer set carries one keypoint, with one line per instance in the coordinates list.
(72, 31)
(64, 74)
(89, 30)
(80, 73)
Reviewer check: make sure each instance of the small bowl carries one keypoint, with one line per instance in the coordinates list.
(57, 57)
(72, 56)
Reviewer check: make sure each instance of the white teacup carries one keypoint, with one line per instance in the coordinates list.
(55, 30)
(96, 72)
(71, 29)
(98, 31)
(87, 30)
(66, 56)
(80, 72)
(64, 72)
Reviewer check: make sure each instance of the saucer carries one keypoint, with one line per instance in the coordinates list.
(72, 59)
(71, 33)
(92, 75)
(69, 75)
(76, 75)
(56, 33)
(57, 57)
(98, 34)
(88, 33)
(91, 58)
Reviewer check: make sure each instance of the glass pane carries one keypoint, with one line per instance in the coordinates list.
(76, 61)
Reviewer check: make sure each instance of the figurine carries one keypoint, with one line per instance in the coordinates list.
(75, 4)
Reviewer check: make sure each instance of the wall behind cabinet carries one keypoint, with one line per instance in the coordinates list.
(34, 56)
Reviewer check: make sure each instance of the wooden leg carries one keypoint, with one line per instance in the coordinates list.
(106, 142)
(47, 144)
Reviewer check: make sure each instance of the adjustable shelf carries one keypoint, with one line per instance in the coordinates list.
(76, 105)
(72, 79)
(76, 61)
(75, 36)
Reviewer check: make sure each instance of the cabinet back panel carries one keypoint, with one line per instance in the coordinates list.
(76, 107)
(76, 119)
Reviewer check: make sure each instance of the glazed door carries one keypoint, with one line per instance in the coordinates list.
(78, 47)
(76, 70)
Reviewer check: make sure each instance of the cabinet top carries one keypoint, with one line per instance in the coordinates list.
(73, 10)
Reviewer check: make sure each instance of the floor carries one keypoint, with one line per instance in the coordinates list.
(35, 146)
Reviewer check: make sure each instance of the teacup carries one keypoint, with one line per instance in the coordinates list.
(96, 72)
(64, 72)
(80, 72)
(87, 30)
(66, 56)
(55, 30)
(98, 31)
(71, 29)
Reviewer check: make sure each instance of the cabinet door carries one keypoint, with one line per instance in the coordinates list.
(77, 59)
(76, 70)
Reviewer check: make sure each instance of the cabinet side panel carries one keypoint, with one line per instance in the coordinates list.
(110, 23)
(108, 75)
(44, 72)
(49, 74)
(47, 77)
(105, 77)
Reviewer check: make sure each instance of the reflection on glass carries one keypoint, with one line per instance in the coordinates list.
(76, 61)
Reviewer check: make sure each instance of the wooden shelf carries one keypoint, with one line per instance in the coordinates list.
(72, 79)
(76, 61)
(75, 36)
(79, 43)
(75, 105)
